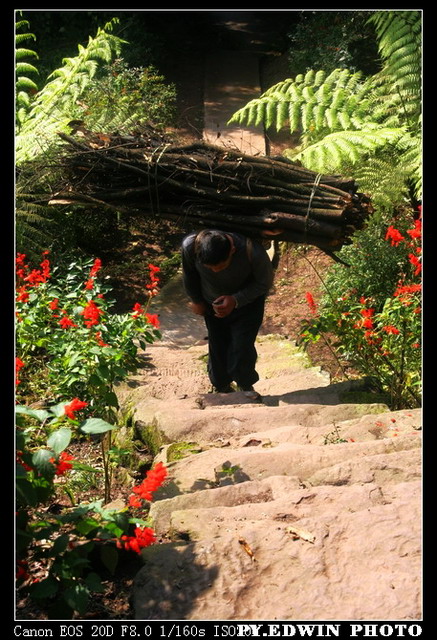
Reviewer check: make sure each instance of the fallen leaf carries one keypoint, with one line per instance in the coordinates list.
(300, 533)
(247, 549)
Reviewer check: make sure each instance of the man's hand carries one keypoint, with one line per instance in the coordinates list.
(199, 308)
(223, 306)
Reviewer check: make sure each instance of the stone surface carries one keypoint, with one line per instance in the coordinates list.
(345, 476)
(303, 506)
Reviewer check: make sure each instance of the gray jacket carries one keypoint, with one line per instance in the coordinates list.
(249, 275)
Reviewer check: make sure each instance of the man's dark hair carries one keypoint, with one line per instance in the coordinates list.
(212, 247)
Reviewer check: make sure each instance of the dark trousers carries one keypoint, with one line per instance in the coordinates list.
(231, 340)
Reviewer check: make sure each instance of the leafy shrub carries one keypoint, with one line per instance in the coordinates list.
(57, 551)
(70, 352)
(69, 344)
(126, 97)
(371, 311)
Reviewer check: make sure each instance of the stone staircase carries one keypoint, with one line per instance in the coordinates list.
(304, 506)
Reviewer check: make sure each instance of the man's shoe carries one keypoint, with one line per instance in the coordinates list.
(227, 389)
(250, 393)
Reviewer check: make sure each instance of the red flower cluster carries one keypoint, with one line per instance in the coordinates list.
(30, 279)
(63, 465)
(73, 406)
(21, 461)
(153, 480)
(311, 303)
(138, 311)
(415, 233)
(154, 280)
(153, 319)
(66, 322)
(19, 364)
(93, 272)
(391, 329)
(394, 236)
(99, 339)
(91, 313)
(405, 290)
(367, 315)
(143, 538)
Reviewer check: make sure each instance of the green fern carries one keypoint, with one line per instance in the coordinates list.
(24, 85)
(347, 120)
(53, 106)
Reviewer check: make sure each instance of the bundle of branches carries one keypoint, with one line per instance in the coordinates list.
(203, 185)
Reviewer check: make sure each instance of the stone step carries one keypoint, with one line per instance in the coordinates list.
(363, 563)
(218, 424)
(341, 463)
(280, 498)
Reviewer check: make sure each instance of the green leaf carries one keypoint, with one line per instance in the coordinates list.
(94, 583)
(60, 544)
(41, 462)
(77, 598)
(109, 557)
(60, 439)
(39, 414)
(58, 410)
(86, 526)
(94, 426)
(111, 399)
(44, 589)
(26, 493)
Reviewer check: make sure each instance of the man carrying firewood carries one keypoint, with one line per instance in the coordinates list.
(227, 277)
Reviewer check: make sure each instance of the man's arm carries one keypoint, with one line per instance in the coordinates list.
(191, 277)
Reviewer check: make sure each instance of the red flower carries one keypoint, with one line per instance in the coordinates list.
(93, 272)
(63, 464)
(89, 284)
(407, 289)
(21, 461)
(21, 268)
(153, 319)
(100, 340)
(394, 236)
(92, 314)
(23, 294)
(95, 268)
(154, 280)
(367, 315)
(73, 406)
(311, 303)
(143, 538)
(37, 276)
(417, 231)
(391, 329)
(66, 322)
(19, 364)
(416, 263)
(153, 480)
(54, 304)
(138, 310)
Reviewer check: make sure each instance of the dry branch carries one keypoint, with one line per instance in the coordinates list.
(207, 186)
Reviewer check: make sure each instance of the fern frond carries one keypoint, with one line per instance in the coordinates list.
(345, 147)
(399, 38)
(307, 103)
(54, 106)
